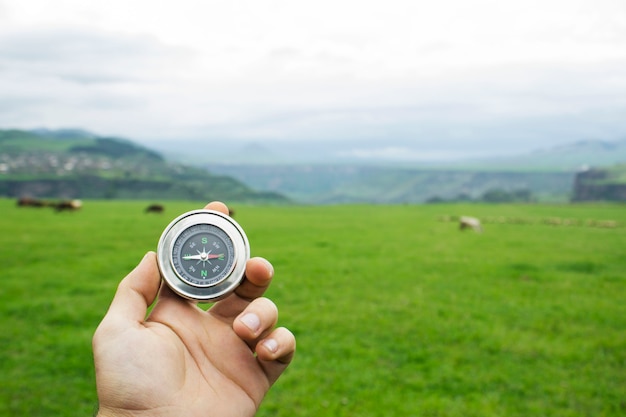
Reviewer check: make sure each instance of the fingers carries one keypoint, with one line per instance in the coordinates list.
(259, 273)
(275, 352)
(217, 206)
(275, 348)
(256, 319)
(137, 291)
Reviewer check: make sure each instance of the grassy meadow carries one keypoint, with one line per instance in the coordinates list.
(396, 312)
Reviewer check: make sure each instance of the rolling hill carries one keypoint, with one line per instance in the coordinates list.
(77, 164)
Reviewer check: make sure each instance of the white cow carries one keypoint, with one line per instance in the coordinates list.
(466, 222)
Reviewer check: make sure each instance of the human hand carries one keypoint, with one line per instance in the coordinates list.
(183, 361)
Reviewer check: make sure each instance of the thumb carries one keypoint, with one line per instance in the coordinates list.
(137, 291)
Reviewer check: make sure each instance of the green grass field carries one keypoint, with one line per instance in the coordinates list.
(396, 312)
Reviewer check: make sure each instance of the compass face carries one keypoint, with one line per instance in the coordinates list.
(202, 255)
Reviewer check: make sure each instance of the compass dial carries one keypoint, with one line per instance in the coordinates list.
(202, 255)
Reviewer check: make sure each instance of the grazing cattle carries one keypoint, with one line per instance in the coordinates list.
(155, 208)
(70, 205)
(30, 202)
(466, 222)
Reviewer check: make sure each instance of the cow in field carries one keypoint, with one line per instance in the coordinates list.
(30, 202)
(69, 205)
(155, 208)
(466, 222)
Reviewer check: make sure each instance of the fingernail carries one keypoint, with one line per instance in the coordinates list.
(269, 266)
(271, 345)
(251, 321)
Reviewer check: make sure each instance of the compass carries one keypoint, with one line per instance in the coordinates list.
(202, 255)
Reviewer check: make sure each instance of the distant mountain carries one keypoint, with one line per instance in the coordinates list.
(340, 184)
(77, 164)
(255, 152)
(569, 157)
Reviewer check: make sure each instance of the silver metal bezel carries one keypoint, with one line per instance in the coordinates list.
(220, 289)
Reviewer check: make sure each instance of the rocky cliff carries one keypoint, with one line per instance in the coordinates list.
(601, 185)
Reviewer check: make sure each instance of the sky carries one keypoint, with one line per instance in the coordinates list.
(430, 78)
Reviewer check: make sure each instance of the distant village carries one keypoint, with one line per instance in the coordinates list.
(72, 164)
(52, 163)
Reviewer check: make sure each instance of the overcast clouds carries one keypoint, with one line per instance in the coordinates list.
(511, 74)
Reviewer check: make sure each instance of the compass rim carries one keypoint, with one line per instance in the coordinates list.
(226, 285)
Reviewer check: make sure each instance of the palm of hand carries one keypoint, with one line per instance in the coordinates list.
(179, 368)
